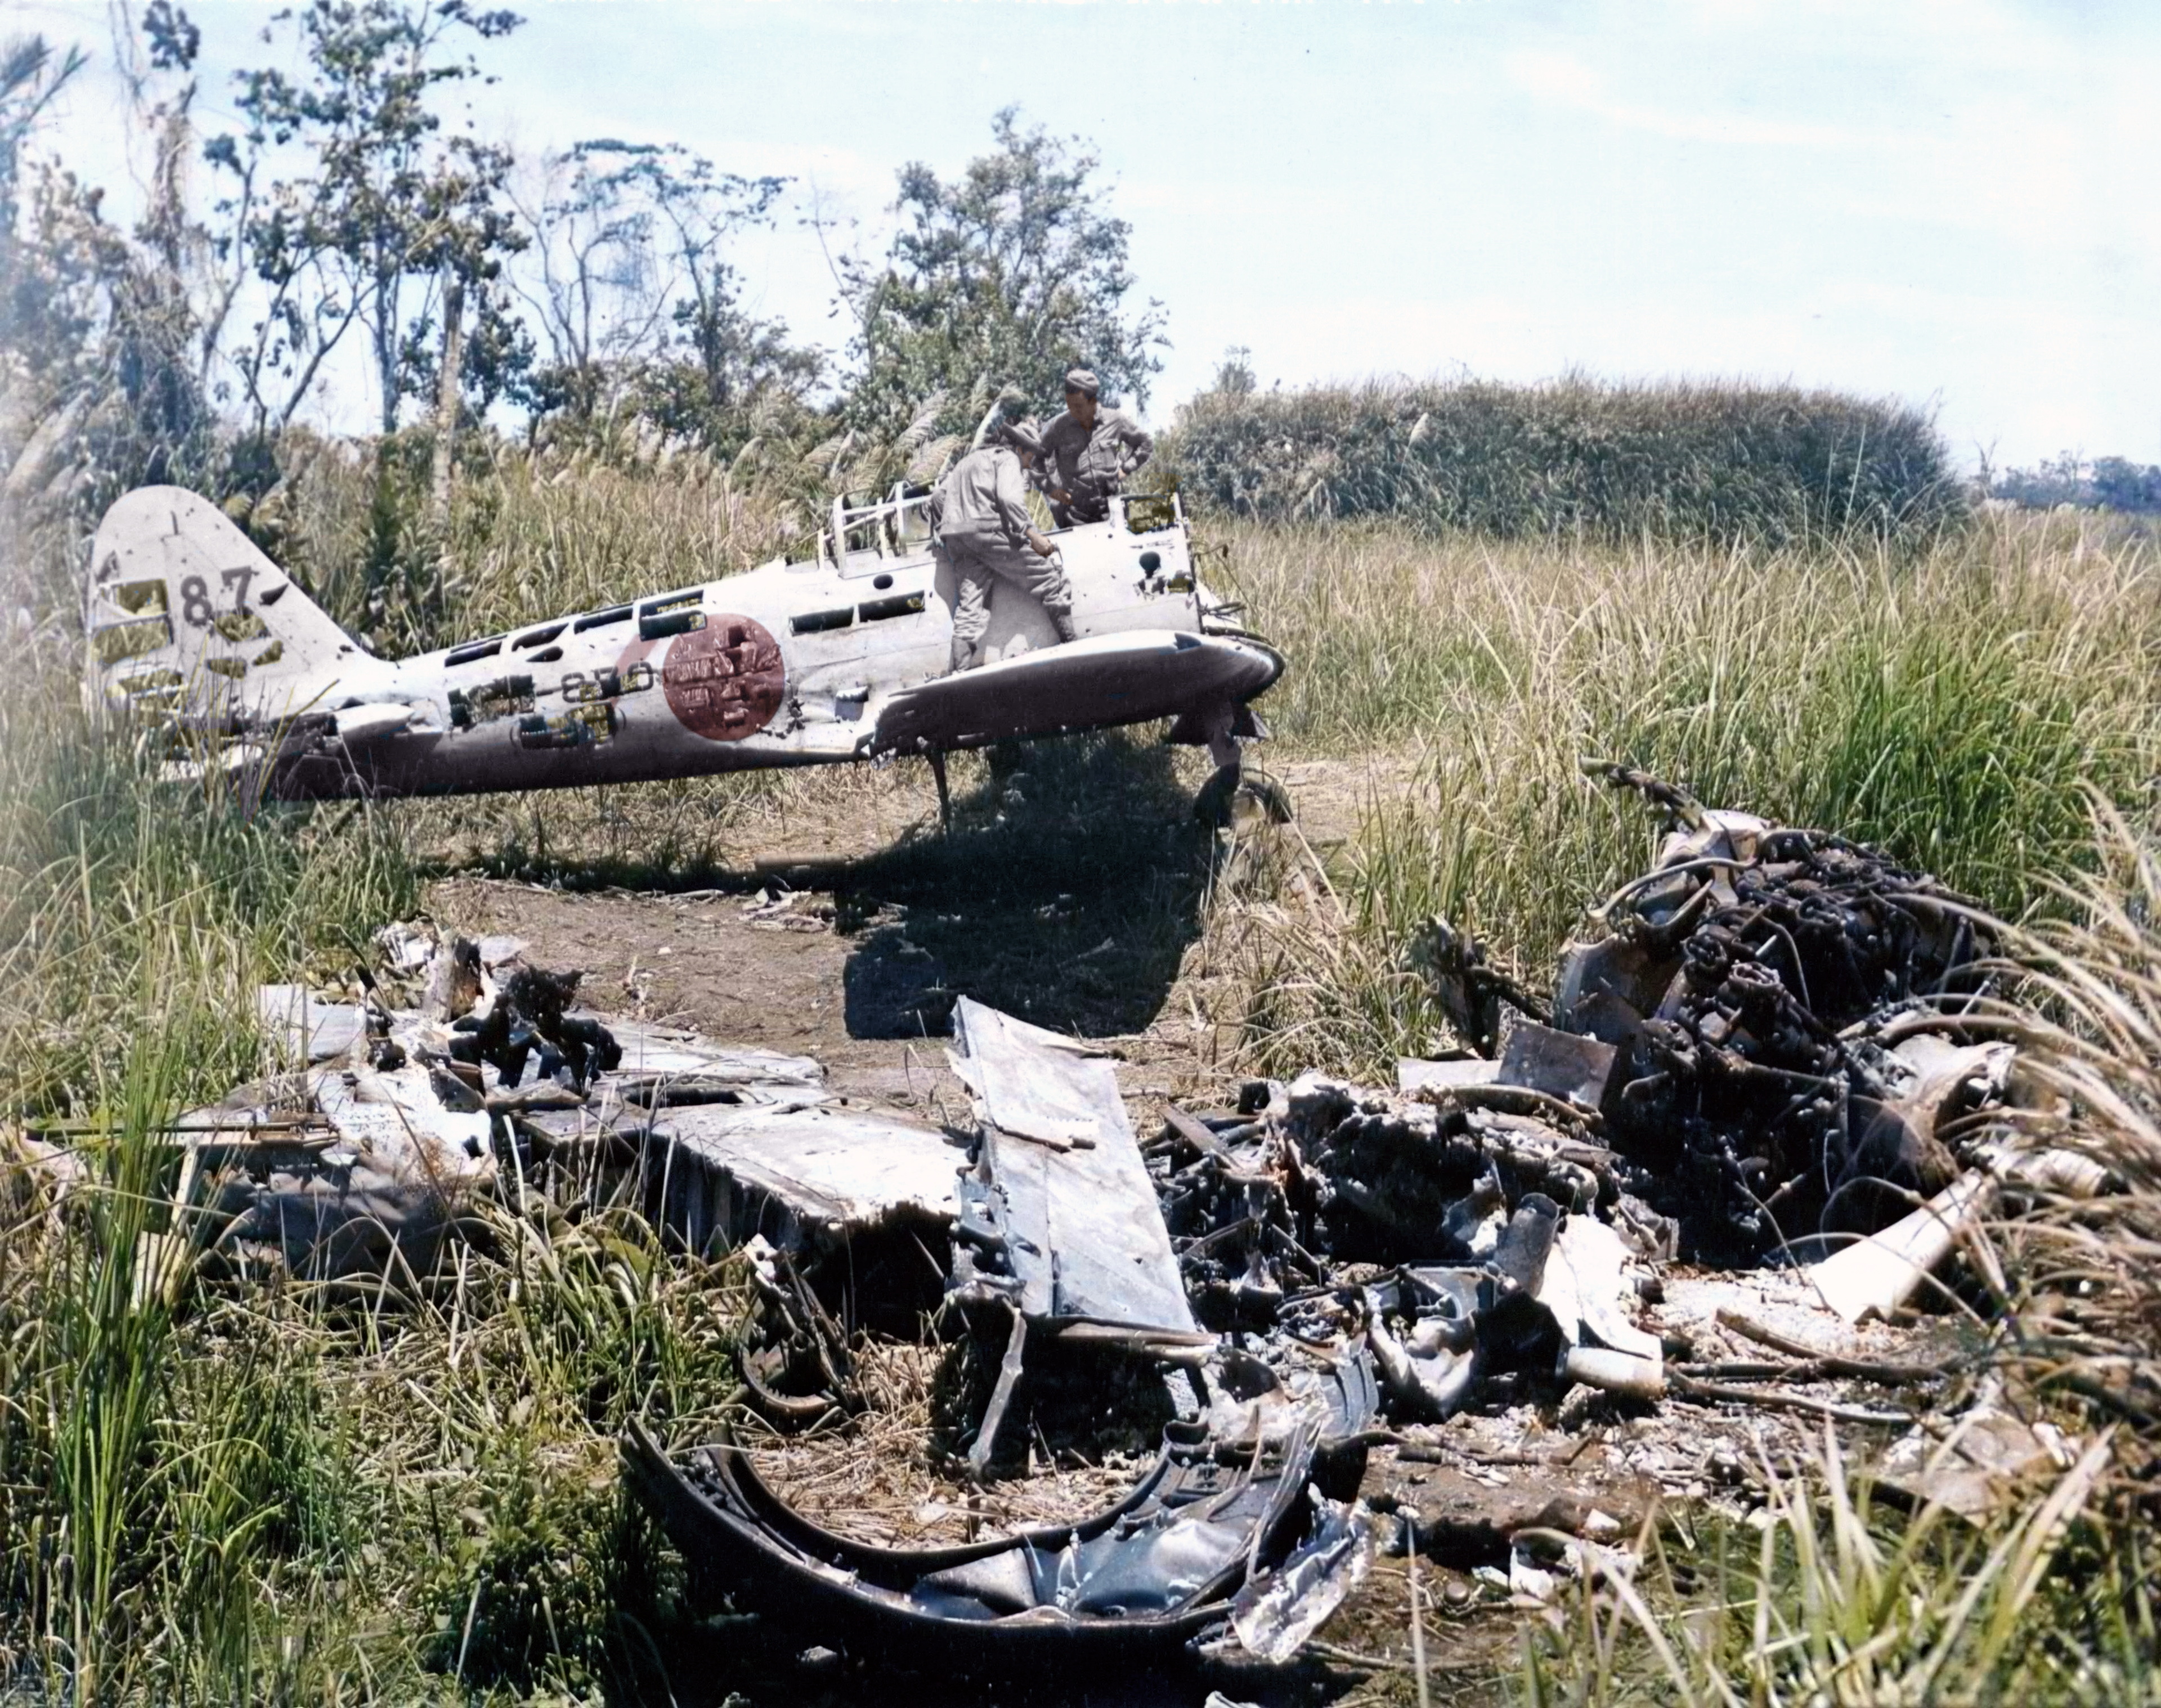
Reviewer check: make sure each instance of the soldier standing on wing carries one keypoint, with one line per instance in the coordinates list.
(1087, 453)
(982, 523)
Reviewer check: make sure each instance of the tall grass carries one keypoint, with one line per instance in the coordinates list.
(1835, 1599)
(2084, 989)
(1720, 460)
(221, 1495)
(108, 877)
(533, 534)
(263, 1495)
(134, 921)
(1949, 704)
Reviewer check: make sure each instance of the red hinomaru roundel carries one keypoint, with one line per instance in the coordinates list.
(725, 681)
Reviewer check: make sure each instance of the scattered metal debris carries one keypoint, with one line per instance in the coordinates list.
(305, 1028)
(349, 1169)
(807, 1174)
(1060, 1228)
(1060, 1219)
(1756, 1091)
(1138, 1581)
(793, 1345)
(1273, 1616)
(1969, 1468)
(1778, 1003)
(1763, 1060)
(390, 1122)
(1873, 1277)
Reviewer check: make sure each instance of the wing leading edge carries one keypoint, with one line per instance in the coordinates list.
(1090, 684)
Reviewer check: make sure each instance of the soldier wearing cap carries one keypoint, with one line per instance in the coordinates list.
(982, 523)
(1087, 453)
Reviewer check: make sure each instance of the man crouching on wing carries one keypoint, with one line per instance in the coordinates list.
(982, 522)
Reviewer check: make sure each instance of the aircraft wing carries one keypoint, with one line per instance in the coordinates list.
(1092, 684)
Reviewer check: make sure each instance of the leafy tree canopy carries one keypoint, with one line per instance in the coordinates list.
(1007, 276)
(386, 199)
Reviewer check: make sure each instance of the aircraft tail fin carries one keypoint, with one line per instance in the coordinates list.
(187, 616)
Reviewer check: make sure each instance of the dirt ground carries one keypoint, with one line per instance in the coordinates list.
(1067, 897)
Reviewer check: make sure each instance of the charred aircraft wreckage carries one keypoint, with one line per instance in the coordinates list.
(1773, 1063)
(843, 657)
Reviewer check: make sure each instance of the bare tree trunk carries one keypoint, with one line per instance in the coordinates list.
(449, 390)
(383, 329)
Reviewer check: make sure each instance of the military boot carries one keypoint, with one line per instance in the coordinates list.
(1062, 620)
(966, 654)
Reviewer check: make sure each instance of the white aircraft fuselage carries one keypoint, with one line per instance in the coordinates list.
(843, 657)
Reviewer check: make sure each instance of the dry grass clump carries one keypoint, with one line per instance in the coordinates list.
(2086, 1002)
(879, 1480)
(1673, 459)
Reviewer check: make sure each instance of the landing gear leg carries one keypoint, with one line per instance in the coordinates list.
(1212, 805)
(936, 755)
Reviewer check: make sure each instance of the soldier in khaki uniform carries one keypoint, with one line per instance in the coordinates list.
(982, 523)
(1087, 453)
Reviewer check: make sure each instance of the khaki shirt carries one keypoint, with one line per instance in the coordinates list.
(985, 494)
(1086, 463)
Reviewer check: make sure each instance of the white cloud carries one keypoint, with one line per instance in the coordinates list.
(1562, 81)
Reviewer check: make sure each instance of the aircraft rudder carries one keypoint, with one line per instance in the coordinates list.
(184, 612)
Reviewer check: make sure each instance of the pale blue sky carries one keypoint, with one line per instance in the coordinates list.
(1949, 202)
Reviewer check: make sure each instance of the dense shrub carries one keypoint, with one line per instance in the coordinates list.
(1577, 455)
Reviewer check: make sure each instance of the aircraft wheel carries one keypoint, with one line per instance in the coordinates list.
(1235, 791)
(1269, 795)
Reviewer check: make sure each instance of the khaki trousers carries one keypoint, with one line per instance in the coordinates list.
(980, 560)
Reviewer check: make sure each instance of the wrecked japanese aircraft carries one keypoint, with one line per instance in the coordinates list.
(843, 657)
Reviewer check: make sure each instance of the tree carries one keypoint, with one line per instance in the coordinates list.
(2120, 484)
(1009, 275)
(389, 225)
(1234, 375)
(387, 202)
(594, 283)
(39, 326)
(38, 319)
(101, 330)
(2106, 483)
(637, 300)
(31, 74)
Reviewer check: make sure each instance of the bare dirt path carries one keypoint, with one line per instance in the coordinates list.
(839, 924)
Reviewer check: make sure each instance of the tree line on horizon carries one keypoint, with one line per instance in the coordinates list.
(592, 300)
(2104, 483)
